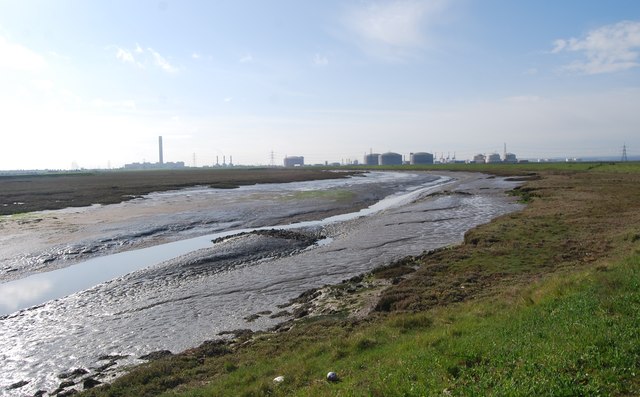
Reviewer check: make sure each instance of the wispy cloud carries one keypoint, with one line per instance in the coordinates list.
(17, 57)
(161, 62)
(126, 104)
(140, 57)
(126, 56)
(608, 49)
(392, 30)
(246, 58)
(320, 60)
(195, 55)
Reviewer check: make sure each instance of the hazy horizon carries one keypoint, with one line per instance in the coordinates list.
(94, 84)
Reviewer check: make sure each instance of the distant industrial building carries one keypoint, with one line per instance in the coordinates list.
(154, 166)
(479, 159)
(160, 165)
(371, 159)
(390, 158)
(510, 158)
(421, 158)
(294, 161)
(493, 158)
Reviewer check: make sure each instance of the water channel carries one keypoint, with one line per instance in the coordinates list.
(180, 293)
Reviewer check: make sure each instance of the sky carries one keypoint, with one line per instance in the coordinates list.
(93, 84)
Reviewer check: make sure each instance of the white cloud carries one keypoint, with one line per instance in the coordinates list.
(126, 104)
(195, 55)
(17, 57)
(228, 99)
(320, 60)
(141, 57)
(392, 30)
(43, 85)
(161, 62)
(126, 56)
(247, 58)
(608, 49)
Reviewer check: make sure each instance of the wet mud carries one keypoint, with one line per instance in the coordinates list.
(241, 281)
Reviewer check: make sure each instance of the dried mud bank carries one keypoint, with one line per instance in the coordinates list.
(242, 283)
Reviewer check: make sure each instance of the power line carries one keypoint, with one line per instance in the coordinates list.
(624, 153)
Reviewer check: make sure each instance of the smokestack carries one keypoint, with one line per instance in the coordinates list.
(160, 149)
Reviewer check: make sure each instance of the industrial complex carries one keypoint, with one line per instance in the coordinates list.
(369, 159)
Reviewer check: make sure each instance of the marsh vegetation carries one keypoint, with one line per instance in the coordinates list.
(545, 301)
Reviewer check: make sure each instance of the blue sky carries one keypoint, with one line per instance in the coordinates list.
(94, 83)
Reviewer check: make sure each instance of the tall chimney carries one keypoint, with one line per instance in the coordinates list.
(160, 149)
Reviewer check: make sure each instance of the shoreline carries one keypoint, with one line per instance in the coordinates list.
(52, 239)
(442, 192)
(463, 314)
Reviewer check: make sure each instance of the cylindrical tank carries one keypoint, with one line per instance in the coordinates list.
(421, 158)
(294, 161)
(371, 159)
(390, 158)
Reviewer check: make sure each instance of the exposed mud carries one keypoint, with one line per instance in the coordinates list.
(242, 281)
(49, 240)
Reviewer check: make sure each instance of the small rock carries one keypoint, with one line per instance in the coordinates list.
(69, 392)
(106, 366)
(18, 385)
(156, 355)
(283, 313)
(39, 393)
(112, 357)
(278, 379)
(66, 383)
(252, 318)
(90, 383)
(74, 373)
(332, 377)
(238, 333)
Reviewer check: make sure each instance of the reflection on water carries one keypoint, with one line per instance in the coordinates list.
(15, 296)
(42, 287)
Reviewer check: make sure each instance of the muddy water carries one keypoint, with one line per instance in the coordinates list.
(183, 301)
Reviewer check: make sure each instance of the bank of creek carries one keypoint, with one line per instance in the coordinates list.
(171, 270)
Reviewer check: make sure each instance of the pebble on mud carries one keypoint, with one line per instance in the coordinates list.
(332, 377)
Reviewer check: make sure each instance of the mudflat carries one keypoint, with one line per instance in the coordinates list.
(26, 193)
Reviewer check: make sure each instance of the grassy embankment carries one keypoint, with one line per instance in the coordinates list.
(541, 302)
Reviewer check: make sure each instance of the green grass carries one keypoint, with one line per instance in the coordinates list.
(543, 302)
(522, 168)
(579, 337)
